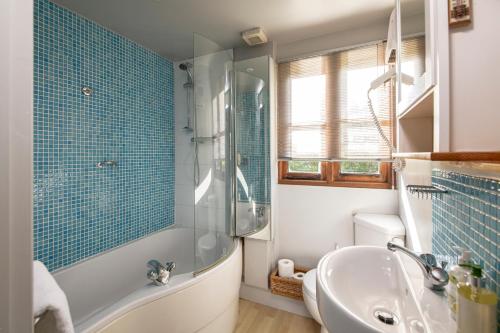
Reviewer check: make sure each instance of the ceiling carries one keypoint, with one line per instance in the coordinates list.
(166, 26)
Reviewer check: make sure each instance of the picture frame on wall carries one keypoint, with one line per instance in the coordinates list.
(459, 12)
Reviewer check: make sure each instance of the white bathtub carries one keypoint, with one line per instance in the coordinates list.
(110, 293)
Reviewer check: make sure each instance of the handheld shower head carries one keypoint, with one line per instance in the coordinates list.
(186, 66)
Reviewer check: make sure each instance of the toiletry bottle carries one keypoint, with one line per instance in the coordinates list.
(477, 305)
(458, 274)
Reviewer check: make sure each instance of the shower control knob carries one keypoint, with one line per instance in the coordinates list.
(152, 275)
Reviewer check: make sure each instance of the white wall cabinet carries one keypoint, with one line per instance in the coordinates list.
(423, 108)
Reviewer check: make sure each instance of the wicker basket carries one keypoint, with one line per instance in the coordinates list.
(287, 286)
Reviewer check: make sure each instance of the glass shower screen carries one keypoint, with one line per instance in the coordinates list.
(213, 202)
(231, 142)
(252, 144)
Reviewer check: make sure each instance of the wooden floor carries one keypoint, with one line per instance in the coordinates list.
(257, 318)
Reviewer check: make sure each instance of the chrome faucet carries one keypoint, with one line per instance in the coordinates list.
(258, 211)
(435, 277)
(158, 273)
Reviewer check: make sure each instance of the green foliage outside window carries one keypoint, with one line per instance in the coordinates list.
(346, 167)
(304, 166)
(360, 168)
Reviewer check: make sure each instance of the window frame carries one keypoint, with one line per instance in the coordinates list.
(330, 176)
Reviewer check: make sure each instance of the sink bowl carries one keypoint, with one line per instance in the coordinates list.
(364, 289)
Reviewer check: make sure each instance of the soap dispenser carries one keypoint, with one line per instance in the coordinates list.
(458, 274)
(477, 305)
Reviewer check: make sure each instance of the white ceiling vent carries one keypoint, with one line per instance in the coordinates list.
(254, 36)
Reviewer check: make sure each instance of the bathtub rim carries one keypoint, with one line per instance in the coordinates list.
(150, 293)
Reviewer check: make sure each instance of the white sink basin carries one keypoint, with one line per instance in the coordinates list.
(360, 285)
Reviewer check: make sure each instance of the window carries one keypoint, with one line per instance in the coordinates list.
(323, 108)
(304, 167)
(359, 168)
(326, 134)
(371, 174)
(323, 116)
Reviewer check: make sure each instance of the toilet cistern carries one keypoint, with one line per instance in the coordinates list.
(435, 277)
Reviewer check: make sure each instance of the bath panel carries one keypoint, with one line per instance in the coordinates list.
(110, 293)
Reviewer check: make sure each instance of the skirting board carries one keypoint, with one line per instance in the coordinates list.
(265, 297)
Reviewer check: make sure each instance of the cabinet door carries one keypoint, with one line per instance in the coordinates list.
(415, 51)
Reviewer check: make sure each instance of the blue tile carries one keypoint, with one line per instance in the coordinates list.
(476, 225)
(253, 145)
(79, 210)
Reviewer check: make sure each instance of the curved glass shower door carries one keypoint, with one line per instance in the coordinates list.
(252, 140)
(213, 171)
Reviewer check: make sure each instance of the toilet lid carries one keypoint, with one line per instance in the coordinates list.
(309, 284)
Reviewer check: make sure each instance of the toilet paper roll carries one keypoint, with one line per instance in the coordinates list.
(285, 268)
(299, 276)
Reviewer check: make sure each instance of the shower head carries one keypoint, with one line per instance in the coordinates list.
(186, 66)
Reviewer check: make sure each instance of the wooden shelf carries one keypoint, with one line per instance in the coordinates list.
(422, 108)
(416, 126)
(414, 156)
(487, 156)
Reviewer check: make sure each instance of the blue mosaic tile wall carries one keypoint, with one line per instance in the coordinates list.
(468, 216)
(252, 122)
(80, 210)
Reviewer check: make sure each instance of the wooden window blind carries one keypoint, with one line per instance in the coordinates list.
(323, 110)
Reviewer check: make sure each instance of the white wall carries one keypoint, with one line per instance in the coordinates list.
(342, 39)
(16, 164)
(313, 219)
(475, 80)
(416, 213)
(4, 164)
(339, 39)
(184, 185)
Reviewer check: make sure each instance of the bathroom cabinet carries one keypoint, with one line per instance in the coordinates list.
(422, 108)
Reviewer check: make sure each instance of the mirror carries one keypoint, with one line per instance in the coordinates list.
(414, 52)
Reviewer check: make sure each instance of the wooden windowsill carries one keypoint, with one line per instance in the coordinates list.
(331, 176)
(492, 157)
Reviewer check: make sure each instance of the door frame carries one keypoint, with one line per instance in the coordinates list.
(16, 165)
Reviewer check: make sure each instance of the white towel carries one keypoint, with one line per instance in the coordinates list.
(49, 303)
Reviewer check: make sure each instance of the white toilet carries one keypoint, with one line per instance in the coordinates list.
(309, 293)
(369, 229)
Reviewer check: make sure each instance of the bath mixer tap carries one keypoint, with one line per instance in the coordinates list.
(435, 277)
(258, 211)
(160, 274)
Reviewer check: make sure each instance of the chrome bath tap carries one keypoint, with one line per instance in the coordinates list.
(158, 273)
(435, 277)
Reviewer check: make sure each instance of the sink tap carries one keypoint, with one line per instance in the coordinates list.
(435, 277)
(159, 273)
